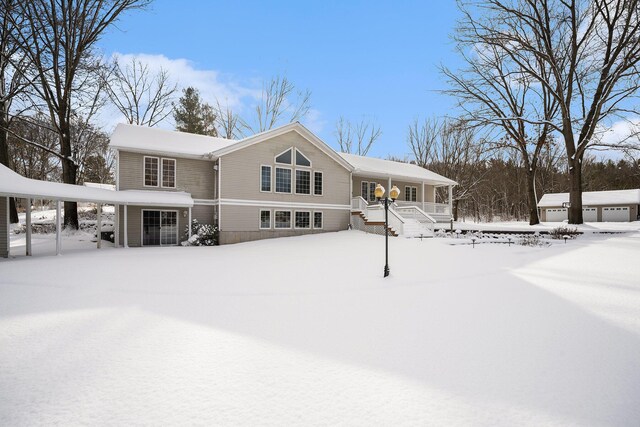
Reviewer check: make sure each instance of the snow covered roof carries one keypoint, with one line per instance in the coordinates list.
(594, 198)
(12, 184)
(100, 185)
(398, 170)
(154, 140)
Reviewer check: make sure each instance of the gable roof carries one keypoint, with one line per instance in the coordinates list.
(398, 170)
(612, 197)
(160, 141)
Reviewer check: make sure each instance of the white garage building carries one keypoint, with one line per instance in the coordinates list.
(597, 206)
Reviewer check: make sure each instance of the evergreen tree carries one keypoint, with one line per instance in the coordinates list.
(192, 115)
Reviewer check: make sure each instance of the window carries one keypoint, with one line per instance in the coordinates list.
(169, 173)
(410, 194)
(282, 219)
(303, 220)
(317, 220)
(265, 219)
(303, 182)
(284, 158)
(368, 191)
(301, 160)
(265, 178)
(151, 169)
(364, 190)
(317, 183)
(283, 180)
(372, 191)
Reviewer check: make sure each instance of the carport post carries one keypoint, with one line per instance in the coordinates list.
(126, 239)
(189, 225)
(28, 225)
(116, 226)
(58, 227)
(99, 224)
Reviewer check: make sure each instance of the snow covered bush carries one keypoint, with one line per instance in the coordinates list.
(563, 230)
(532, 240)
(201, 235)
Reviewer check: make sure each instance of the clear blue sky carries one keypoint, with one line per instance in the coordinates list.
(358, 58)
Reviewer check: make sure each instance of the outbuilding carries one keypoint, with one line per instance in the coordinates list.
(597, 206)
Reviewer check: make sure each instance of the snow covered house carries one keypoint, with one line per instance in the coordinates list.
(597, 206)
(282, 182)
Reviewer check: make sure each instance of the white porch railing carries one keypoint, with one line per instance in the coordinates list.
(375, 213)
(358, 204)
(414, 212)
(427, 207)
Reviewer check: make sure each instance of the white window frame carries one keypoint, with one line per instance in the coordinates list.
(314, 220)
(314, 183)
(291, 219)
(260, 219)
(295, 180)
(296, 150)
(271, 179)
(144, 171)
(175, 172)
(293, 157)
(310, 220)
(275, 181)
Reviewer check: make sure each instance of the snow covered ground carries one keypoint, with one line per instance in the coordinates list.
(305, 331)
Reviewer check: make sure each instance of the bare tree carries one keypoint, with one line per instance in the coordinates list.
(227, 120)
(13, 79)
(591, 49)
(498, 94)
(58, 40)
(280, 102)
(143, 98)
(356, 138)
(449, 148)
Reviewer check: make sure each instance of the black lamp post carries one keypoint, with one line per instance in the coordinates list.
(386, 201)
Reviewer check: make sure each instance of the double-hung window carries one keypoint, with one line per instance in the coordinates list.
(303, 181)
(151, 171)
(282, 219)
(265, 178)
(169, 173)
(159, 172)
(317, 220)
(303, 219)
(265, 219)
(283, 180)
(317, 183)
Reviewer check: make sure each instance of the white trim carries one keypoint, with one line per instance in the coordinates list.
(126, 228)
(310, 227)
(278, 204)
(291, 219)
(260, 227)
(270, 179)
(144, 171)
(275, 180)
(296, 150)
(159, 210)
(175, 172)
(205, 202)
(295, 190)
(292, 157)
(117, 170)
(314, 220)
(313, 191)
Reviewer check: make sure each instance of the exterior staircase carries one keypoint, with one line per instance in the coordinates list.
(408, 221)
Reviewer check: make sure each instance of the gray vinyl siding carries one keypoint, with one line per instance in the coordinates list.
(243, 223)
(240, 173)
(193, 176)
(4, 227)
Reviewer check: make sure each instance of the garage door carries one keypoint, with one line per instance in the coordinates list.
(556, 215)
(589, 214)
(617, 214)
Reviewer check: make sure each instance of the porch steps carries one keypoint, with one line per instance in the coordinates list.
(413, 228)
(373, 226)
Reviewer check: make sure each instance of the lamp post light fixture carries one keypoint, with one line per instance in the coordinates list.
(386, 201)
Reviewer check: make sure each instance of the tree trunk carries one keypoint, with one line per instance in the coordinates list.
(69, 174)
(4, 157)
(575, 191)
(531, 197)
(455, 209)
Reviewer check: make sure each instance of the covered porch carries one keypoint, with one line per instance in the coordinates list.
(17, 186)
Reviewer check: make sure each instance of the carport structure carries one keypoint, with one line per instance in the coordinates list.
(15, 185)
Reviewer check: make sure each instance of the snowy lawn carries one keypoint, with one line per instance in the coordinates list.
(305, 331)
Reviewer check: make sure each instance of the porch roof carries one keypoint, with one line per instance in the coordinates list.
(13, 184)
(398, 170)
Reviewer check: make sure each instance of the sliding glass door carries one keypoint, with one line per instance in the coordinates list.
(159, 228)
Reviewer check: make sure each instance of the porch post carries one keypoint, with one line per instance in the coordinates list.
(388, 185)
(58, 227)
(126, 229)
(99, 224)
(189, 225)
(451, 200)
(116, 226)
(28, 225)
(423, 196)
